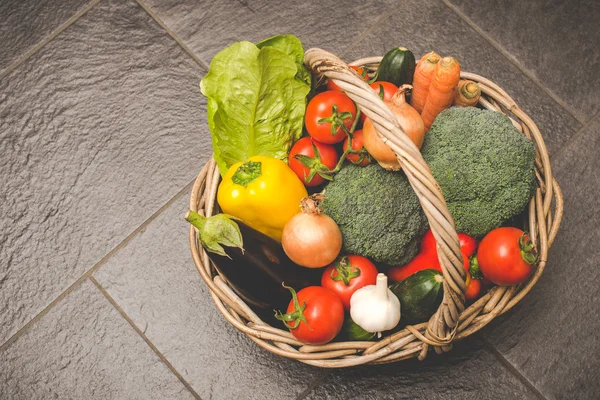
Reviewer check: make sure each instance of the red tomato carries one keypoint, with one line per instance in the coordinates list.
(319, 163)
(473, 288)
(346, 276)
(357, 145)
(326, 113)
(314, 316)
(468, 244)
(332, 86)
(506, 256)
(388, 91)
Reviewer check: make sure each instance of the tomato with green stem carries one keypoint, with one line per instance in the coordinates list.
(315, 315)
(356, 154)
(506, 256)
(348, 274)
(330, 116)
(313, 161)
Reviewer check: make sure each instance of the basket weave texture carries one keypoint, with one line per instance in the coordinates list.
(452, 321)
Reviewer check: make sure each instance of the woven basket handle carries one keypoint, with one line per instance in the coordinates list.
(442, 325)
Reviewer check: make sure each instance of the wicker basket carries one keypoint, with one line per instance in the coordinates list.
(452, 321)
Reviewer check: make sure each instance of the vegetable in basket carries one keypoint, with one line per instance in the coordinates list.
(397, 66)
(329, 115)
(253, 263)
(422, 80)
(506, 256)
(411, 123)
(375, 308)
(263, 192)
(484, 166)
(313, 161)
(314, 316)
(441, 91)
(378, 213)
(311, 238)
(256, 99)
(348, 274)
(420, 295)
(352, 332)
(428, 257)
(467, 93)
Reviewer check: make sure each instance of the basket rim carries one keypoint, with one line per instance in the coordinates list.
(413, 340)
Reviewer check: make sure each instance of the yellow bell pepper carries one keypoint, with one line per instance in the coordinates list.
(263, 192)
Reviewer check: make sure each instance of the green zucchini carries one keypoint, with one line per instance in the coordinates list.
(397, 67)
(420, 295)
(352, 332)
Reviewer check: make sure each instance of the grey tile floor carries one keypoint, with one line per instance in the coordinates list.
(103, 128)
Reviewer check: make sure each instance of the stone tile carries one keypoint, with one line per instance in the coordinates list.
(97, 131)
(467, 372)
(154, 279)
(84, 349)
(25, 23)
(423, 26)
(551, 336)
(208, 28)
(556, 40)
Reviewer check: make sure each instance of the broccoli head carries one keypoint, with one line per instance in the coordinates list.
(484, 166)
(378, 213)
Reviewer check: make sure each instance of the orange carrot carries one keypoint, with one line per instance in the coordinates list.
(422, 79)
(441, 90)
(467, 93)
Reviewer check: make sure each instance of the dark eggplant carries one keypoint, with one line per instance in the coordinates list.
(255, 266)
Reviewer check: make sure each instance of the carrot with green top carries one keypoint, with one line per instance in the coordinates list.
(441, 90)
(422, 80)
(467, 93)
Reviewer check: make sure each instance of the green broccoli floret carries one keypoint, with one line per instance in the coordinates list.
(484, 166)
(378, 213)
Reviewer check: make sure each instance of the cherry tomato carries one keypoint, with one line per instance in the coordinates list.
(506, 256)
(332, 86)
(315, 315)
(346, 276)
(326, 113)
(473, 288)
(468, 244)
(362, 158)
(317, 163)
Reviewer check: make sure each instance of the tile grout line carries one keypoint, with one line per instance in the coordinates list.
(94, 268)
(511, 368)
(364, 34)
(170, 366)
(574, 136)
(314, 384)
(513, 60)
(173, 35)
(39, 45)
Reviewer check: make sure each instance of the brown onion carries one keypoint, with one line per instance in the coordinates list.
(310, 238)
(410, 121)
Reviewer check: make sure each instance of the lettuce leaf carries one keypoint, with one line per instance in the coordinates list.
(255, 102)
(290, 45)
